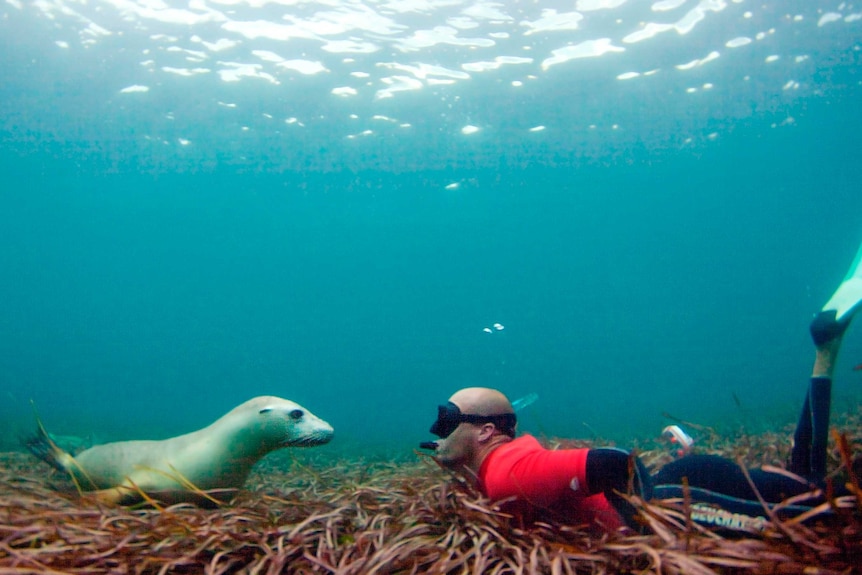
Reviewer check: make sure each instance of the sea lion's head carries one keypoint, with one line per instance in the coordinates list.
(284, 423)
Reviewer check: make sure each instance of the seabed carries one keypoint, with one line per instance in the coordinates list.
(355, 516)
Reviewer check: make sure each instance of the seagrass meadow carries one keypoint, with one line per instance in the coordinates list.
(621, 207)
(304, 513)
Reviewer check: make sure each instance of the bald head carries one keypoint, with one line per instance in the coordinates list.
(485, 422)
(481, 401)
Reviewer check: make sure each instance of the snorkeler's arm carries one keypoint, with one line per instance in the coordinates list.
(528, 471)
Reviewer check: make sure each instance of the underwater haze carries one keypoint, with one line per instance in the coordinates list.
(629, 208)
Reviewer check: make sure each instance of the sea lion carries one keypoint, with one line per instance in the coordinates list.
(217, 457)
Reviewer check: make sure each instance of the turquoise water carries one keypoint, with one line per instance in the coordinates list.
(650, 250)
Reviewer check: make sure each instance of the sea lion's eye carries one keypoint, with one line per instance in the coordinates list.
(265, 410)
(296, 414)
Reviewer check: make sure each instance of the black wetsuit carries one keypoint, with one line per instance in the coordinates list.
(718, 485)
(808, 459)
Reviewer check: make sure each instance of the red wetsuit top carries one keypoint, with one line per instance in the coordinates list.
(545, 484)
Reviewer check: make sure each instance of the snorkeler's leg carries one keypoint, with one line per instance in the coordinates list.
(724, 476)
(808, 457)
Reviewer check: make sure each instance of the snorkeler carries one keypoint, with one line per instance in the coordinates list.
(476, 428)
(477, 439)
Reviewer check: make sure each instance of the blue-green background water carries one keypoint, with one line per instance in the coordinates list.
(145, 293)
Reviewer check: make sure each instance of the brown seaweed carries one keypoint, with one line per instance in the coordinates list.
(352, 516)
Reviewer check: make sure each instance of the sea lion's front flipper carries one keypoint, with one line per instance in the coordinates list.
(111, 496)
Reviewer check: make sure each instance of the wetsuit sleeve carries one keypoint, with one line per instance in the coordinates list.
(614, 472)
